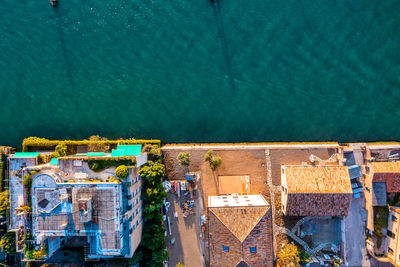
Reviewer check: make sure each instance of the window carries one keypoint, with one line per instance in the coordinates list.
(390, 251)
(390, 234)
(253, 249)
(394, 218)
(226, 248)
(367, 169)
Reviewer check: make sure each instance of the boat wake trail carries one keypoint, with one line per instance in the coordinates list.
(63, 46)
(224, 43)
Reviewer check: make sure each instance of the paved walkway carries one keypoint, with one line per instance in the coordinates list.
(186, 248)
(250, 146)
(356, 253)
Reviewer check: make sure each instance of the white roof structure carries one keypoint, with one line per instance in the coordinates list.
(236, 201)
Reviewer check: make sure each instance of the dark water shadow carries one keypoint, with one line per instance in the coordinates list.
(63, 47)
(224, 44)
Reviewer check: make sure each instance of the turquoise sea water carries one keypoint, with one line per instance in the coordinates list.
(190, 70)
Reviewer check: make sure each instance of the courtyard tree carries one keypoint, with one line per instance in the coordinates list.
(208, 155)
(121, 172)
(288, 256)
(214, 161)
(184, 159)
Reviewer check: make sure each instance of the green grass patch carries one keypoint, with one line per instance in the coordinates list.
(101, 165)
(381, 214)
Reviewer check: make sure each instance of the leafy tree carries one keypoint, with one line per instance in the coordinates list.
(7, 243)
(122, 172)
(288, 256)
(97, 144)
(304, 257)
(153, 152)
(215, 163)
(184, 159)
(208, 155)
(153, 172)
(4, 202)
(137, 257)
(61, 149)
(154, 237)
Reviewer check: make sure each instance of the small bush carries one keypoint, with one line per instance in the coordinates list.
(122, 172)
(114, 180)
(94, 166)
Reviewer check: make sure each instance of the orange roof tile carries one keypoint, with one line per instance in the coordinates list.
(317, 179)
(389, 167)
(392, 181)
(240, 220)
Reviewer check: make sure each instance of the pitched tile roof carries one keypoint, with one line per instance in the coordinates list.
(386, 172)
(392, 181)
(392, 167)
(318, 204)
(317, 179)
(240, 220)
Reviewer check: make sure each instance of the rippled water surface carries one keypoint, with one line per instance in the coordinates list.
(190, 70)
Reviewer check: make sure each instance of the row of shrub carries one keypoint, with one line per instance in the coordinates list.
(44, 143)
(2, 171)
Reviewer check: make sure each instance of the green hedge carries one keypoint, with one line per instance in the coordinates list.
(51, 144)
(2, 171)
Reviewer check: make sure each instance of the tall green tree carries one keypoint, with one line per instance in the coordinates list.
(7, 243)
(4, 202)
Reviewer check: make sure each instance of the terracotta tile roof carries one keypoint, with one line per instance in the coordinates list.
(392, 181)
(389, 167)
(317, 179)
(240, 220)
(316, 204)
